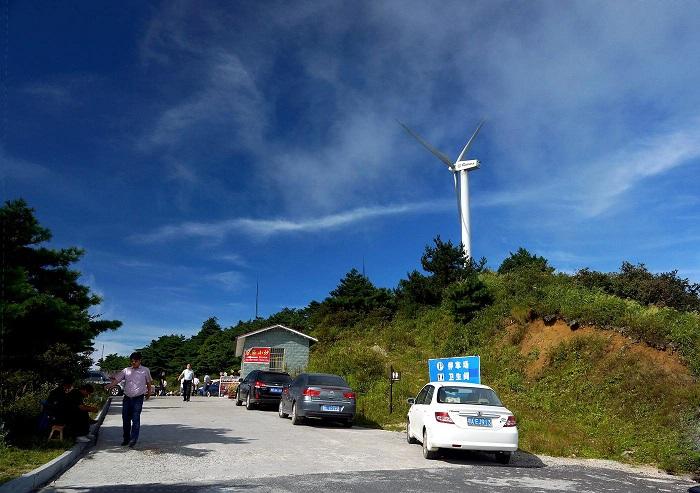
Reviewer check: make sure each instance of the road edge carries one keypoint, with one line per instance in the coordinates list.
(42, 475)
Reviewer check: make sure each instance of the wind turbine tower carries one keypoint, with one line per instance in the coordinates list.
(460, 174)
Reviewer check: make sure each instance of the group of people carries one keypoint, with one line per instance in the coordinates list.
(190, 383)
(66, 406)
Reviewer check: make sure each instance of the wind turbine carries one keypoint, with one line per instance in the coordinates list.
(460, 173)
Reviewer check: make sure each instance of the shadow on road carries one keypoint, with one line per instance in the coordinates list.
(520, 459)
(176, 439)
(159, 488)
(363, 424)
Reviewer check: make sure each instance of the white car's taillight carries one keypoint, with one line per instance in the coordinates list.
(510, 421)
(443, 417)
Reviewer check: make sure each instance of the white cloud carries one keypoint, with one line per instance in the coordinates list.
(612, 176)
(19, 169)
(263, 228)
(562, 89)
(57, 93)
(229, 105)
(235, 259)
(230, 280)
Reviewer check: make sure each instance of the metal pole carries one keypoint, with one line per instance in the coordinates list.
(391, 389)
(257, 293)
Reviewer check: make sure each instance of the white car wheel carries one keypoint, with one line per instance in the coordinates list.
(409, 438)
(428, 452)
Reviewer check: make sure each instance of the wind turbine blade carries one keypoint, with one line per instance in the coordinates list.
(464, 152)
(432, 150)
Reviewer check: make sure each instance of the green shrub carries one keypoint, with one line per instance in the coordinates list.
(465, 298)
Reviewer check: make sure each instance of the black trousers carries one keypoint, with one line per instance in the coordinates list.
(186, 389)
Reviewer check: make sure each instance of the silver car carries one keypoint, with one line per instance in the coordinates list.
(318, 395)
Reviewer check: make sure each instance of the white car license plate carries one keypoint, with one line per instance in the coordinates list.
(483, 422)
(330, 408)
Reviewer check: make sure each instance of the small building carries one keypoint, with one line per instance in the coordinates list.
(276, 348)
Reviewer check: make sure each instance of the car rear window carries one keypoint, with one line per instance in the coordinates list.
(333, 380)
(468, 395)
(272, 377)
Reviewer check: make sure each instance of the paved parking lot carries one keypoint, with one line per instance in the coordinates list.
(209, 444)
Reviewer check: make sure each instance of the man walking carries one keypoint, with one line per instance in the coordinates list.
(207, 383)
(137, 387)
(186, 376)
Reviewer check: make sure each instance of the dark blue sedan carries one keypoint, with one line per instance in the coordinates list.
(213, 389)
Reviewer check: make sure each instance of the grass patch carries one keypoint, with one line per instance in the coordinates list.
(16, 461)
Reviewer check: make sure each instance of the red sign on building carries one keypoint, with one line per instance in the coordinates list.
(257, 355)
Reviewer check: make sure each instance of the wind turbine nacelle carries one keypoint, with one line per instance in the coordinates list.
(467, 165)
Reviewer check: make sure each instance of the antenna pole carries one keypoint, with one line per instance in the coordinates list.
(257, 294)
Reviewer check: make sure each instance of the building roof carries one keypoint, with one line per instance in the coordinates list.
(240, 340)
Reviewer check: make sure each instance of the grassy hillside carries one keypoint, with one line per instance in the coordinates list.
(623, 385)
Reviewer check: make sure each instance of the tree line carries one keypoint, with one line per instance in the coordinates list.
(48, 330)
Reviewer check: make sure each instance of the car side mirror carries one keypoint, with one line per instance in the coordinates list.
(411, 401)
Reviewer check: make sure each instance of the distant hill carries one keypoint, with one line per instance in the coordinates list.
(587, 373)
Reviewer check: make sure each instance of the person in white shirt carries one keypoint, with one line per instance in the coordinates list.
(195, 385)
(137, 387)
(186, 376)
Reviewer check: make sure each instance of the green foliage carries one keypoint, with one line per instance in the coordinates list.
(217, 353)
(418, 290)
(113, 362)
(59, 360)
(524, 259)
(356, 293)
(635, 282)
(592, 402)
(465, 298)
(41, 294)
(446, 264)
(360, 365)
(166, 353)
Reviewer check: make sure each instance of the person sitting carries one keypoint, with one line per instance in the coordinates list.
(57, 402)
(78, 413)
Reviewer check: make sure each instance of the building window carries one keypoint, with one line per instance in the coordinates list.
(277, 359)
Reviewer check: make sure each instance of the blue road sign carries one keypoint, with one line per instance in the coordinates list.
(457, 369)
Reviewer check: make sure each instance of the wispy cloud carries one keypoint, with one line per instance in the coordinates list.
(230, 280)
(613, 175)
(56, 93)
(235, 259)
(263, 228)
(19, 169)
(229, 105)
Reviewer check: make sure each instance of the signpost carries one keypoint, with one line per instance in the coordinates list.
(257, 355)
(394, 376)
(457, 369)
(224, 383)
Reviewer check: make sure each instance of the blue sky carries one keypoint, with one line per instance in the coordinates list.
(194, 148)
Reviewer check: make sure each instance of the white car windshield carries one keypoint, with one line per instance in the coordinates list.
(468, 395)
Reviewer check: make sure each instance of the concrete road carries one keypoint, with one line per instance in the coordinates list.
(210, 445)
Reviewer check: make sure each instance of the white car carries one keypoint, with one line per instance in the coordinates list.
(461, 416)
